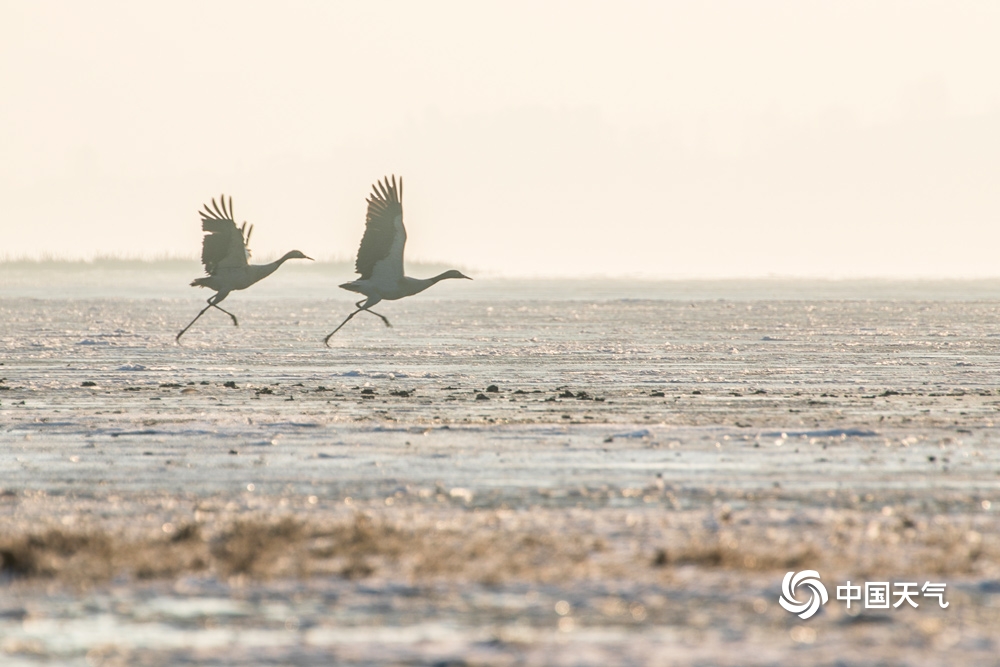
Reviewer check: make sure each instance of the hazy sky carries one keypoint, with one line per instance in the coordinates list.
(652, 138)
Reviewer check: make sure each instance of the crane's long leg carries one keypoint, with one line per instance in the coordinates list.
(326, 341)
(235, 323)
(210, 304)
(382, 316)
(360, 306)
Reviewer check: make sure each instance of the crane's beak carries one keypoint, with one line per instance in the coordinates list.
(310, 259)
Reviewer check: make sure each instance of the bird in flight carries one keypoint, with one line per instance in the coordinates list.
(380, 257)
(226, 254)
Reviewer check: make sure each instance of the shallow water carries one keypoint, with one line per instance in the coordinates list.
(656, 457)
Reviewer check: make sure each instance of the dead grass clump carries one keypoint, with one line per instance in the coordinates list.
(76, 554)
(189, 532)
(365, 541)
(938, 549)
(357, 568)
(289, 547)
(17, 558)
(731, 556)
(493, 557)
(159, 558)
(367, 537)
(253, 547)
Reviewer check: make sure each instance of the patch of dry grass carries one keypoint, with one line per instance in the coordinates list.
(478, 547)
(719, 553)
(53, 551)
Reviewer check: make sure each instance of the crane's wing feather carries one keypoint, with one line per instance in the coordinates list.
(224, 245)
(381, 251)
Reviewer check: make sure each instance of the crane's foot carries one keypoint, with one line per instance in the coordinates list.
(380, 316)
(231, 316)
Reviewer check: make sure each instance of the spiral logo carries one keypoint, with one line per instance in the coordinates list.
(818, 596)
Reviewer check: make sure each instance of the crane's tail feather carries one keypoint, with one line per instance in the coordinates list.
(351, 287)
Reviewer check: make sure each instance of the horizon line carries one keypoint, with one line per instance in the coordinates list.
(7, 261)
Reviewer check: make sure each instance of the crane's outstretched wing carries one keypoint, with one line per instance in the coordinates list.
(225, 245)
(381, 252)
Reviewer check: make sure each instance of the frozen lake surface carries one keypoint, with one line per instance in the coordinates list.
(518, 472)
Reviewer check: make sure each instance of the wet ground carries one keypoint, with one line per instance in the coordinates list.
(496, 481)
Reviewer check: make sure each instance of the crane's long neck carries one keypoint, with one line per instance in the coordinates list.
(261, 271)
(416, 285)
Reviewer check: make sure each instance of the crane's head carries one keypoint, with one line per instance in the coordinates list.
(454, 274)
(296, 254)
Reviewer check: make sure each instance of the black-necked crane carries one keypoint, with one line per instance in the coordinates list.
(380, 257)
(225, 253)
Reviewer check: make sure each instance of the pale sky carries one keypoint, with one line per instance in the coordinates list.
(694, 139)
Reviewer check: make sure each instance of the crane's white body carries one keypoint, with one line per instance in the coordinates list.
(390, 290)
(380, 257)
(232, 278)
(387, 280)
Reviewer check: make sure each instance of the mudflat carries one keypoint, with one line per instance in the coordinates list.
(534, 481)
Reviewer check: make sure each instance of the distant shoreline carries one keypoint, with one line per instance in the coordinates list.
(321, 264)
(170, 279)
